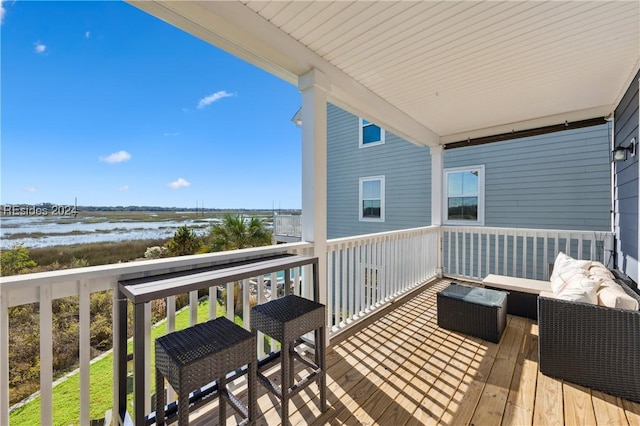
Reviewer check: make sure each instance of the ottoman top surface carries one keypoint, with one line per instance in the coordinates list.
(194, 343)
(287, 308)
(479, 296)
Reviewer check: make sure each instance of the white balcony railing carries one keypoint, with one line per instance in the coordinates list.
(45, 287)
(287, 225)
(364, 273)
(475, 252)
(367, 271)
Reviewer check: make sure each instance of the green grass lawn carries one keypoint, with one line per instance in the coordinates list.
(66, 400)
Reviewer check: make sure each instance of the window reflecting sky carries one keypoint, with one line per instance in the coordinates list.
(371, 189)
(462, 184)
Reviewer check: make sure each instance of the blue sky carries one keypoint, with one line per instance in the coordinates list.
(103, 102)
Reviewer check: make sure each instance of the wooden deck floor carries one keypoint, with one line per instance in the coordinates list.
(402, 369)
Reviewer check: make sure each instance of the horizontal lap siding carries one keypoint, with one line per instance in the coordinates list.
(626, 193)
(407, 171)
(554, 181)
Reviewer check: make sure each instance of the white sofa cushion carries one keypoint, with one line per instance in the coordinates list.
(612, 295)
(579, 288)
(564, 268)
(599, 272)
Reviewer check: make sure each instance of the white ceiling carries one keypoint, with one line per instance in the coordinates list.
(436, 72)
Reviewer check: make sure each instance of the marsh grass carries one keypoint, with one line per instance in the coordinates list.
(94, 253)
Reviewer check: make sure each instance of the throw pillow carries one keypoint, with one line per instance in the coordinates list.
(579, 288)
(612, 295)
(597, 269)
(564, 268)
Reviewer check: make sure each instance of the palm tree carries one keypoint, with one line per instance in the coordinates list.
(238, 232)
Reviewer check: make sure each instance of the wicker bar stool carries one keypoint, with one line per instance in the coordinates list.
(286, 320)
(196, 356)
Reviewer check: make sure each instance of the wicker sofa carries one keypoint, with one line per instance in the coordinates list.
(591, 345)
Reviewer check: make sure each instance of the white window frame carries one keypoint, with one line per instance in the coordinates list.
(360, 199)
(361, 143)
(445, 196)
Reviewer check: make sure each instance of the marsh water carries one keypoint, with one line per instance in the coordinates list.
(45, 231)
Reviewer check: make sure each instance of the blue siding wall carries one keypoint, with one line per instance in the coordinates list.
(626, 183)
(554, 181)
(407, 171)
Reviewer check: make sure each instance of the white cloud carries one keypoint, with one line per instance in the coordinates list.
(116, 157)
(30, 188)
(123, 188)
(2, 11)
(179, 183)
(168, 134)
(87, 34)
(208, 100)
(39, 47)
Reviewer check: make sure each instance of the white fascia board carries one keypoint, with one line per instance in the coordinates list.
(570, 117)
(240, 31)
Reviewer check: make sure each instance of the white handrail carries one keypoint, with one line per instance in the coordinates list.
(474, 252)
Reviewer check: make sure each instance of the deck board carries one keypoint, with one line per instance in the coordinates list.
(402, 369)
(521, 398)
(578, 408)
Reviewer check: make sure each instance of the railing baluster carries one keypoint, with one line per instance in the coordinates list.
(450, 251)
(487, 256)
(349, 281)
(456, 234)
(213, 297)
(358, 278)
(147, 357)
(46, 356)
(515, 253)
(535, 256)
(246, 305)
(505, 238)
(84, 302)
(193, 308)
(274, 296)
(471, 253)
(298, 287)
(171, 327)
(230, 301)
(343, 284)
(545, 256)
(261, 299)
(525, 244)
(580, 247)
(464, 252)
(336, 289)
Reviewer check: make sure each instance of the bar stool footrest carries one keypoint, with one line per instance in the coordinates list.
(235, 403)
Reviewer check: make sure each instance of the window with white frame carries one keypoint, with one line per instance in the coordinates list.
(372, 199)
(464, 195)
(370, 134)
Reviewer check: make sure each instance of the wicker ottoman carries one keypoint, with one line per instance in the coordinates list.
(198, 355)
(475, 311)
(286, 319)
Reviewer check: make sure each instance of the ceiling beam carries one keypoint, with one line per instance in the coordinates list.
(235, 28)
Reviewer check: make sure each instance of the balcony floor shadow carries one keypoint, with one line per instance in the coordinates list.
(400, 368)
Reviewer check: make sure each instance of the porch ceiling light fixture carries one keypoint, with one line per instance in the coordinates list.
(620, 153)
